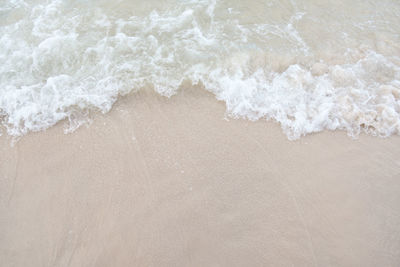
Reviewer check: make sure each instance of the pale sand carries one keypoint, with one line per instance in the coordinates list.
(169, 182)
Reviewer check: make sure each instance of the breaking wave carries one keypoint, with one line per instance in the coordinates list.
(309, 65)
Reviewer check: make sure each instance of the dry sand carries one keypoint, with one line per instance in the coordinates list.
(160, 182)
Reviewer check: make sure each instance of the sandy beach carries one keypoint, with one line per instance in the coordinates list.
(171, 182)
(200, 178)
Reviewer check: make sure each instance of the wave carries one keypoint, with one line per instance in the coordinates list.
(303, 66)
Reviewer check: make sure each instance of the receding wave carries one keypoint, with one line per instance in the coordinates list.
(309, 65)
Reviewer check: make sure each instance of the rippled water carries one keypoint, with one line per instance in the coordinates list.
(308, 64)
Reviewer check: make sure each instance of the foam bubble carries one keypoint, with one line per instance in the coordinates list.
(286, 61)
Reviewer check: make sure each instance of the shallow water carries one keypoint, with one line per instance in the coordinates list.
(310, 65)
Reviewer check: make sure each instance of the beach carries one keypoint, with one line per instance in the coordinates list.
(200, 133)
(163, 181)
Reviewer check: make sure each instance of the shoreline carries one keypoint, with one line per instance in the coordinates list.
(160, 181)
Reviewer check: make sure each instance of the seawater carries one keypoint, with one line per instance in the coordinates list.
(310, 65)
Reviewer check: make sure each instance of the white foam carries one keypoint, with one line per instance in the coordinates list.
(61, 59)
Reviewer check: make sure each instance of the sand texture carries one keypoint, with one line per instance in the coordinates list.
(170, 182)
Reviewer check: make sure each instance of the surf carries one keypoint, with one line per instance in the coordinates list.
(309, 65)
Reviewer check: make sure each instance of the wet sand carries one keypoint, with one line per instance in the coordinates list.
(170, 182)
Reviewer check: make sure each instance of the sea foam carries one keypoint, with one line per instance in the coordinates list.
(290, 61)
